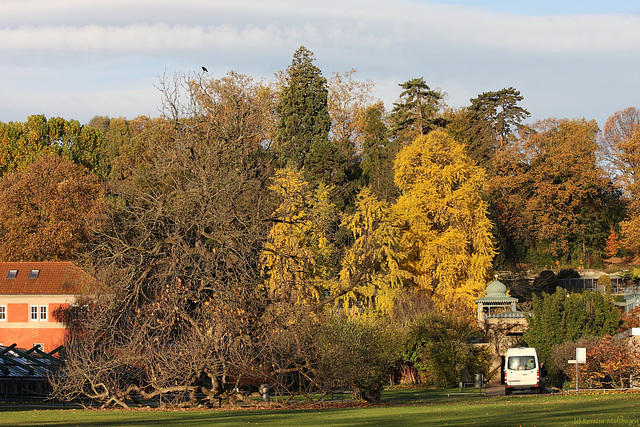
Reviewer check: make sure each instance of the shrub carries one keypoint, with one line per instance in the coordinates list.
(357, 354)
(438, 346)
(611, 363)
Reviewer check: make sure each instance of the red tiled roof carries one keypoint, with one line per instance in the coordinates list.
(54, 278)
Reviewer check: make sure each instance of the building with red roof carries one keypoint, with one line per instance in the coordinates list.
(31, 293)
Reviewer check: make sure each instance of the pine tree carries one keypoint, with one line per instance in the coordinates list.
(415, 113)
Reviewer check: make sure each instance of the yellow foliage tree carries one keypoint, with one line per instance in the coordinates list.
(444, 233)
(298, 257)
(436, 238)
(370, 272)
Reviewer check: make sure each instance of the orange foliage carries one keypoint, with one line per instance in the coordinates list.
(613, 244)
(48, 210)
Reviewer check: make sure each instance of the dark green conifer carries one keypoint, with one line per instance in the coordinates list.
(302, 133)
(415, 114)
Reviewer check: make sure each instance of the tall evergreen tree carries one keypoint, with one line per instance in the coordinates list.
(302, 133)
(415, 113)
(378, 154)
(489, 122)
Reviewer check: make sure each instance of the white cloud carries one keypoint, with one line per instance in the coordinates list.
(364, 24)
(104, 49)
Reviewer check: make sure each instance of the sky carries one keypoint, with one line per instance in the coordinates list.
(78, 58)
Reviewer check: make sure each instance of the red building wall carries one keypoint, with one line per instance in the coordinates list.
(50, 333)
(17, 312)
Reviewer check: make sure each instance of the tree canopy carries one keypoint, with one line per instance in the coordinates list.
(255, 223)
(49, 211)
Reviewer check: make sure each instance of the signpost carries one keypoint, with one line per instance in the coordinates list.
(581, 357)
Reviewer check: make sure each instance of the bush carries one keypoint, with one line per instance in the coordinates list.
(357, 354)
(439, 348)
(611, 363)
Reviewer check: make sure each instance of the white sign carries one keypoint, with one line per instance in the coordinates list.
(581, 355)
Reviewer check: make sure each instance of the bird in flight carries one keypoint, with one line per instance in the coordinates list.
(205, 69)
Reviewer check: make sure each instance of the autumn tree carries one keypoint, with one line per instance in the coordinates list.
(444, 230)
(237, 109)
(49, 211)
(180, 259)
(347, 101)
(298, 257)
(551, 196)
(622, 143)
(613, 244)
(117, 135)
(21, 143)
(370, 272)
(570, 194)
(435, 239)
(617, 145)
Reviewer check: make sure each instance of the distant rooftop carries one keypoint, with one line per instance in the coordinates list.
(48, 277)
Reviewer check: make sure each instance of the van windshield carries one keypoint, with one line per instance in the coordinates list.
(521, 363)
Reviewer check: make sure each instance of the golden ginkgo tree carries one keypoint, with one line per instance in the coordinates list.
(298, 255)
(444, 232)
(435, 239)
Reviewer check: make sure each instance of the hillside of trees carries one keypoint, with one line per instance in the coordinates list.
(254, 224)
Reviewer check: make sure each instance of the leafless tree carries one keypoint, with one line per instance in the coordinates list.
(179, 258)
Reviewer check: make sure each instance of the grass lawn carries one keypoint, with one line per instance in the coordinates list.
(524, 410)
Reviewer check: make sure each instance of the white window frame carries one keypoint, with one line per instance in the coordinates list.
(38, 313)
(3, 314)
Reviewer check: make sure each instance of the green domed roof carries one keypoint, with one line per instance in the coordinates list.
(496, 289)
(496, 293)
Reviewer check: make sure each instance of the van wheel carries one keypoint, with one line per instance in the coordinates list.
(538, 390)
(507, 391)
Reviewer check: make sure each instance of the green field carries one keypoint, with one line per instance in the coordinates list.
(524, 410)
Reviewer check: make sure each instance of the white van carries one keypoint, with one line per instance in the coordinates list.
(522, 371)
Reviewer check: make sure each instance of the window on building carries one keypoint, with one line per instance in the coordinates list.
(38, 312)
(3, 312)
(33, 274)
(12, 274)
